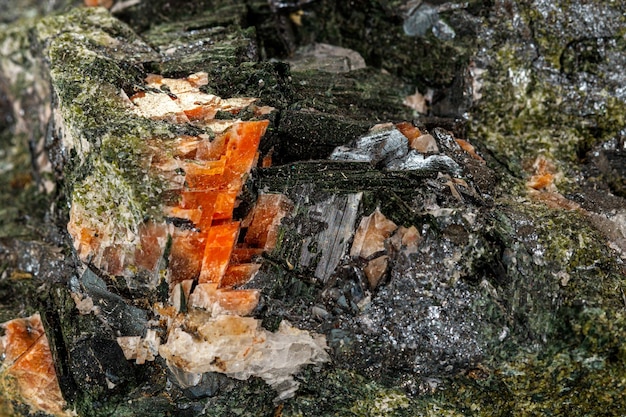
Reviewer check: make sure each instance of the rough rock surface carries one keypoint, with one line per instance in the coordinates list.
(507, 296)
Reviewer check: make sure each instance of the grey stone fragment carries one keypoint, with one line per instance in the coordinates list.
(415, 161)
(420, 19)
(339, 215)
(378, 147)
(328, 58)
(345, 153)
(126, 319)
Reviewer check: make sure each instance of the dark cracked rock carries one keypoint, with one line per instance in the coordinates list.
(508, 302)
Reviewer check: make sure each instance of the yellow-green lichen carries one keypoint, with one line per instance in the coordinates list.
(8, 394)
(383, 403)
(112, 201)
(535, 99)
(521, 117)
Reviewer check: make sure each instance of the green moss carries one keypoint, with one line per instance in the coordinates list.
(583, 378)
(250, 398)
(94, 60)
(560, 24)
(554, 260)
(130, 156)
(527, 110)
(580, 377)
(570, 244)
(346, 394)
(383, 403)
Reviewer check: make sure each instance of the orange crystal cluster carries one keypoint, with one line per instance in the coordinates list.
(27, 359)
(210, 251)
(203, 177)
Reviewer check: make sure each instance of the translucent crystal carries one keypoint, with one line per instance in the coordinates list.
(28, 361)
(240, 348)
(370, 237)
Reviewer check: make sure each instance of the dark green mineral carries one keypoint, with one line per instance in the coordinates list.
(511, 302)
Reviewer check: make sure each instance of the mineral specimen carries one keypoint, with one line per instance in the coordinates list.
(28, 364)
(240, 348)
(488, 296)
(188, 234)
(403, 148)
(204, 176)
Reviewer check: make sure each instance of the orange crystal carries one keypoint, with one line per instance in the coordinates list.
(264, 219)
(29, 361)
(371, 235)
(239, 274)
(220, 242)
(469, 148)
(209, 297)
(203, 177)
(152, 238)
(544, 173)
(186, 255)
(407, 129)
(210, 253)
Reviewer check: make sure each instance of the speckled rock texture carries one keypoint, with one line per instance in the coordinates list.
(506, 297)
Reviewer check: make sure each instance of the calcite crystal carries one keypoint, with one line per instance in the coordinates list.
(140, 349)
(211, 252)
(181, 101)
(28, 362)
(238, 347)
(373, 241)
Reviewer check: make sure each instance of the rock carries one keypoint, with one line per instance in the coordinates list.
(482, 282)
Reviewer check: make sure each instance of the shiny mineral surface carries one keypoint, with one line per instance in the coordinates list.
(488, 133)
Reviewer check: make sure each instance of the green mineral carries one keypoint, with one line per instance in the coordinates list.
(508, 300)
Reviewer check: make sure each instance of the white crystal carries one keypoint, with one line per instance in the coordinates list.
(240, 348)
(140, 349)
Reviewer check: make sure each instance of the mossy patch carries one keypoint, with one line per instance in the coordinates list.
(547, 92)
